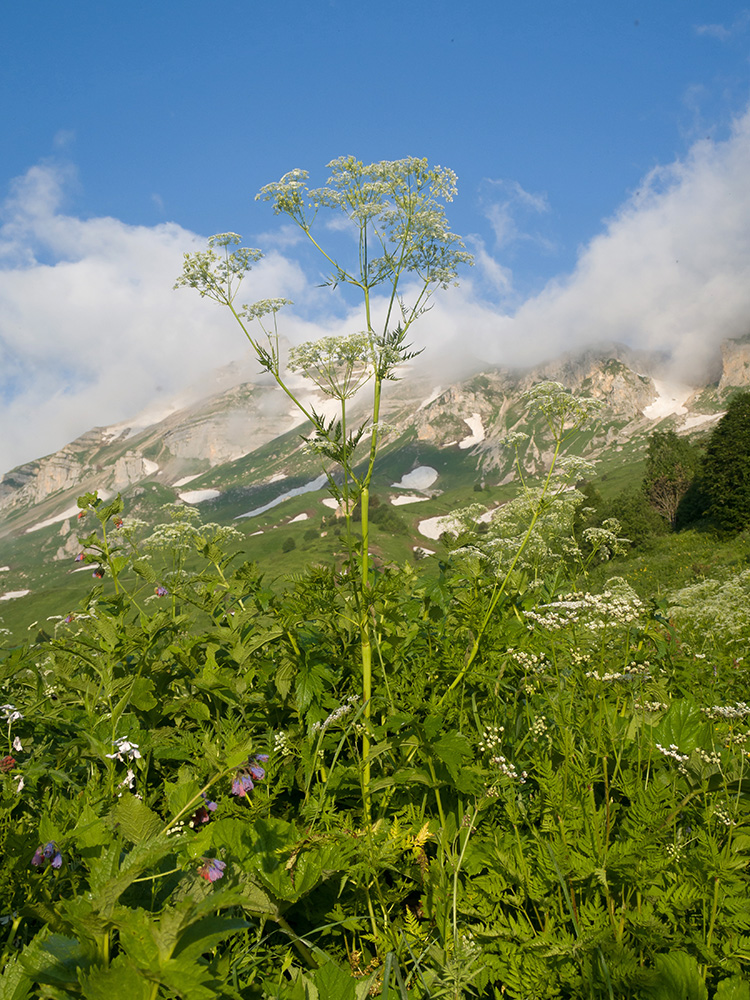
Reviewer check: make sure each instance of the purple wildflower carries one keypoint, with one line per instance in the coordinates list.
(80, 557)
(212, 869)
(202, 813)
(161, 591)
(98, 573)
(242, 784)
(69, 618)
(256, 771)
(47, 853)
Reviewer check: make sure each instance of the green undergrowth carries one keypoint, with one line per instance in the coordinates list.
(182, 805)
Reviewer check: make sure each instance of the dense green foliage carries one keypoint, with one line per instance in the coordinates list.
(571, 819)
(726, 469)
(671, 466)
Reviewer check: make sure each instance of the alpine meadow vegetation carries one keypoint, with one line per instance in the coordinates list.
(491, 779)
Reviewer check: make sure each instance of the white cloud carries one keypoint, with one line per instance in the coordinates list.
(92, 332)
(723, 33)
(671, 271)
(91, 329)
(507, 207)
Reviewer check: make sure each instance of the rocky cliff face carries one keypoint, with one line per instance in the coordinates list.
(474, 414)
(735, 362)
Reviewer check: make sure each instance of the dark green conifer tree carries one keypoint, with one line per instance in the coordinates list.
(726, 467)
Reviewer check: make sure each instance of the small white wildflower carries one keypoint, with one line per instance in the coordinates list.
(126, 748)
(20, 783)
(10, 713)
(17, 745)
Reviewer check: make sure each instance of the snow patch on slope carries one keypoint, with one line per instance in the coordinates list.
(310, 487)
(477, 431)
(671, 399)
(420, 478)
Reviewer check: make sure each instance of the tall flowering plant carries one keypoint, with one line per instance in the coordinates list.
(396, 212)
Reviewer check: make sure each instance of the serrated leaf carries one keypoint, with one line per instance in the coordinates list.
(121, 981)
(105, 511)
(135, 820)
(137, 930)
(204, 935)
(284, 677)
(14, 982)
(182, 793)
(190, 983)
(145, 570)
(452, 749)
(143, 856)
(677, 978)
(56, 959)
(335, 983)
(142, 694)
(734, 988)
(104, 625)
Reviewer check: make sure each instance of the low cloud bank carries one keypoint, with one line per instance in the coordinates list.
(92, 331)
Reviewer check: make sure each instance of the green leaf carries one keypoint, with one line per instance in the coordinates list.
(110, 509)
(145, 570)
(56, 959)
(121, 981)
(135, 820)
(190, 983)
(14, 982)
(452, 749)
(205, 935)
(90, 830)
(182, 793)
(105, 626)
(142, 694)
(334, 982)
(677, 978)
(735, 988)
(284, 677)
(138, 931)
(684, 726)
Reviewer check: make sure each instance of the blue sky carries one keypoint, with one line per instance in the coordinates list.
(597, 145)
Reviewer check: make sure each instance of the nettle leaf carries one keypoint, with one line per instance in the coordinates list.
(677, 978)
(142, 694)
(145, 570)
(135, 820)
(335, 983)
(182, 793)
(684, 726)
(56, 959)
(452, 749)
(204, 935)
(14, 982)
(121, 981)
(735, 988)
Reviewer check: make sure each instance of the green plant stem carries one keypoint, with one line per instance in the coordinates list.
(500, 590)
